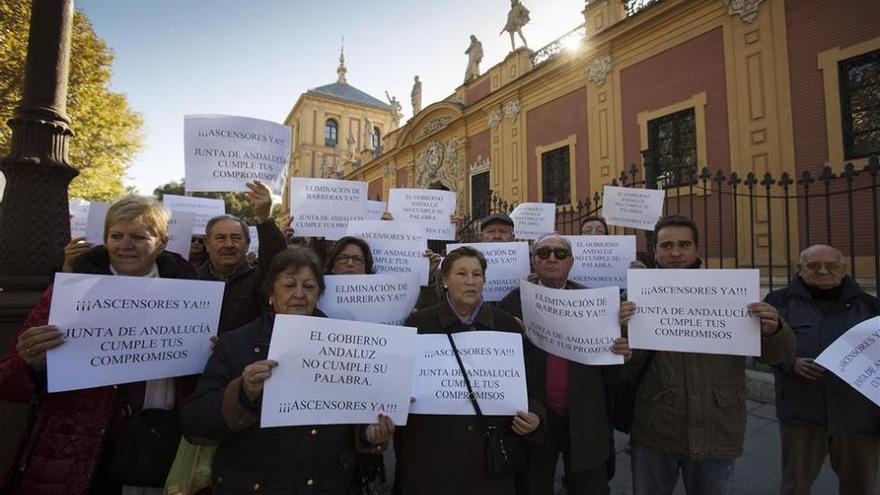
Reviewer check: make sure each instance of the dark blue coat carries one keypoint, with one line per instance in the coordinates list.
(828, 402)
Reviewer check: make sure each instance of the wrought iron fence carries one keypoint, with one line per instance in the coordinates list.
(753, 220)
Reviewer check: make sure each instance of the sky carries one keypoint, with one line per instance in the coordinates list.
(255, 57)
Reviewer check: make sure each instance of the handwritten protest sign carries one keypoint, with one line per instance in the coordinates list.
(223, 153)
(127, 329)
(855, 358)
(337, 372)
(204, 208)
(601, 260)
(79, 215)
(506, 264)
(532, 220)
(323, 207)
(495, 367)
(397, 247)
(430, 208)
(180, 228)
(632, 207)
(386, 299)
(375, 209)
(95, 222)
(579, 324)
(701, 311)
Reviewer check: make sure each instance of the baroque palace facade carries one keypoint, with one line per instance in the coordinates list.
(733, 85)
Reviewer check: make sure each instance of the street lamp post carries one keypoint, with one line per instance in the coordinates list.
(34, 218)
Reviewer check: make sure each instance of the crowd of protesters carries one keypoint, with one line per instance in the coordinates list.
(688, 413)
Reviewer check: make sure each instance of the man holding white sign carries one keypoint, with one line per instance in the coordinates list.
(689, 411)
(569, 328)
(227, 240)
(821, 415)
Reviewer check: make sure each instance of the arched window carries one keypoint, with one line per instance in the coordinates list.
(376, 139)
(331, 133)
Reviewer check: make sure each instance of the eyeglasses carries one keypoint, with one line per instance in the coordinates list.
(344, 259)
(815, 266)
(560, 253)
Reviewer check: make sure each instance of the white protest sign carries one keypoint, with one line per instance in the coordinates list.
(79, 215)
(337, 372)
(126, 329)
(386, 299)
(495, 367)
(506, 264)
(632, 207)
(375, 209)
(855, 358)
(323, 207)
(430, 208)
(578, 324)
(204, 208)
(95, 222)
(700, 311)
(254, 246)
(180, 228)
(397, 247)
(601, 260)
(532, 220)
(223, 153)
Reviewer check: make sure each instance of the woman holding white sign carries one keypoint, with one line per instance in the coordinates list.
(448, 454)
(77, 442)
(226, 406)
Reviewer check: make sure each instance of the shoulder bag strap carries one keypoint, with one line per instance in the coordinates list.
(467, 382)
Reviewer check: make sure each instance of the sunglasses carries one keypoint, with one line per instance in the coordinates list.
(560, 253)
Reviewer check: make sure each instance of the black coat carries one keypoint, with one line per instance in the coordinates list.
(587, 411)
(444, 455)
(285, 460)
(243, 297)
(828, 402)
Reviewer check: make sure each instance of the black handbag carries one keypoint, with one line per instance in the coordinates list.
(147, 448)
(505, 453)
(625, 400)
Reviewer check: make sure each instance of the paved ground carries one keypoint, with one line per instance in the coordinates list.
(757, 471)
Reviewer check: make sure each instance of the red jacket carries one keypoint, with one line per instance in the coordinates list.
(60, 452)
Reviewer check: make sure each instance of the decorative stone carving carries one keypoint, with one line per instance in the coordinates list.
(746, 9)
(438, 123)
(439, 163)
(389, 169)
(598, 69)
(480, 165)
(415, 96)
(494, 118)
(511, 110)
(475, 56)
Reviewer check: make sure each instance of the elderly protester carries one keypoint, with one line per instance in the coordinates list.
(446, 454)
(594, 225)
(226, 241)
(819, 414)
(577, 417)
(225, 408)
(350, 256)
(71, 447)
(668, 439)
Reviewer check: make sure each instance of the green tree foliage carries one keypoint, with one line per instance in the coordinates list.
(236, 203)
(107, 132)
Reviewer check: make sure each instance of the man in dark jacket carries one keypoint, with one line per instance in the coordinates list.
(227, 241)
(577, 420)
(820, 414)
(690, 414)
